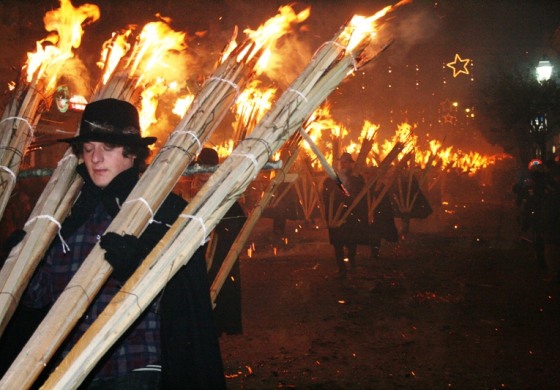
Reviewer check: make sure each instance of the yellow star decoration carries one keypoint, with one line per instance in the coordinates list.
(455, 65)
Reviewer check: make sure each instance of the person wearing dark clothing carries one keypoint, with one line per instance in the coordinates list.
(354, 229)
(383, 225)
(227, 310)
(190, 350)
(114, 154)
(531, 196)
(550, 220)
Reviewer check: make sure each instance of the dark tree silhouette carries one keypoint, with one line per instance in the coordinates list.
(508, 102)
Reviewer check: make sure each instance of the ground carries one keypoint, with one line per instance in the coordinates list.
(459, 303)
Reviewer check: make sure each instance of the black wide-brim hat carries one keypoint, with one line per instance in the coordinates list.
(111, 121)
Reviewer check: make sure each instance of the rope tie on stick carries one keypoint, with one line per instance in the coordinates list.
(345, 49)
(340, 46)
(13, 150)
(6, 169)
(65, 247)
(298, 93)
(80, 287)
(10, 295)
(262, 141)
(233, 85)
(135, 296)
(253, 160)
(192, 156)
(192, 134)
(200, 221)
(18, 118)
(145, 203)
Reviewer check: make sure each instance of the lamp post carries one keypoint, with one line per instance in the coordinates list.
(539, 125)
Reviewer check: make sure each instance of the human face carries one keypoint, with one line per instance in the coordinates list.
(104, 162)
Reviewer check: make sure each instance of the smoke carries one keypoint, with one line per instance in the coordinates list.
(75, 75)
(409, 27)
(291, 55)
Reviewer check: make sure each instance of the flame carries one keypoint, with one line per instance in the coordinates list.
(250, 107)
(225, 149)
(65, 34)
(325, 132)
(361, 27)
(182, 105)
(112, 52)
(151, 56)
(328, 135)
(265, 36)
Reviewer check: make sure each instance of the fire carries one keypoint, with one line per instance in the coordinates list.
(266, 35)
(182, 105)
(112, 52)
(250, 107)
(65, 34)
(361, 27)
(225, 149)
(333, 137)
(325, 132)
(152, 55)
(155, 62)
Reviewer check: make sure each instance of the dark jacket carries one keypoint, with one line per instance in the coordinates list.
(355, 228)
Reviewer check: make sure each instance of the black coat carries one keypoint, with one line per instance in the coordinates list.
(354, 230)
(190, 350)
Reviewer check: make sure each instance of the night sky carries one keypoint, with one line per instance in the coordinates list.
(427, 35)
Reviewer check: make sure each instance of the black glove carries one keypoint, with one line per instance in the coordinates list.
(124, 253)
(13, 239)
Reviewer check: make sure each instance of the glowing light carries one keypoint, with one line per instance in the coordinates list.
(459, 65)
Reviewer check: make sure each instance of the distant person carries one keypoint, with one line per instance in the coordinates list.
(354, 228)
(383, 226)
(551, 221)
(530, 195)
(227, 311)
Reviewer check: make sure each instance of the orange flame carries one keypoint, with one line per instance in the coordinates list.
(65, 33)
(112, 52)
(361, 27)
(250, 107)
(264, 37)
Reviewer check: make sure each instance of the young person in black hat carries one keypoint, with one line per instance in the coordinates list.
(114, 153)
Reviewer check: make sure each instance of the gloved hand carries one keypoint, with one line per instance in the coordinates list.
(13, 239)
(124, 253)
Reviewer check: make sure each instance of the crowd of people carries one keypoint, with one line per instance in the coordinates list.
(175, 343)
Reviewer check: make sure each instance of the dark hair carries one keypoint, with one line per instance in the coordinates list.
(142, 152)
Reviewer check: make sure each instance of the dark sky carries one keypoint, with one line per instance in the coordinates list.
(427, 35)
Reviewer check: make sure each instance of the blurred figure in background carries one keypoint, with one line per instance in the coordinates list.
(354, 229)
(227, 310)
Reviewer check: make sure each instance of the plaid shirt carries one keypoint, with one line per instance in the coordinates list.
(140, 346)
